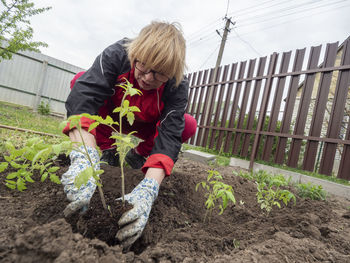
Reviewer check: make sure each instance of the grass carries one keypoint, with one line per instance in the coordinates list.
(24, 117)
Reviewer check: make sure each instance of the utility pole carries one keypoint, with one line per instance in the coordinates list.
(223, 42)
(217, 65)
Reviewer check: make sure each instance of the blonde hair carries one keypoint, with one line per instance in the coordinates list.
(161, 47)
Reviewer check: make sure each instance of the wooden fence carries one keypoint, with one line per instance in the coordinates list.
(298, 116)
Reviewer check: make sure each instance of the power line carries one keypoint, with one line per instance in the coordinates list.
(210, 26)
(206, 60)
(247, 43)
(206, 31)
(292, 13)
(287, 8)
(289, 21)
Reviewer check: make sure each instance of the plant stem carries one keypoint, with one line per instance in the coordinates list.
(103, 200)
(122, 175)
(122, 157)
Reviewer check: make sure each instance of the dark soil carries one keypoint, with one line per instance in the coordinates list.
(33, 228)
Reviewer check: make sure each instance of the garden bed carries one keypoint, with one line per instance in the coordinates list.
(33, 228)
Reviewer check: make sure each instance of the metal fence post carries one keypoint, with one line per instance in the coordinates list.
(41, 84)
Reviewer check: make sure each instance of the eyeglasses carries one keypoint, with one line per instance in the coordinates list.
(156, 75)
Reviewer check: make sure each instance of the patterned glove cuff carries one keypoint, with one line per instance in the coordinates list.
(93, 153)
(151, 186)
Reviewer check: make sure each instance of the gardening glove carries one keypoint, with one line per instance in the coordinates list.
(135, 160)
(134, 221)
(79, 198)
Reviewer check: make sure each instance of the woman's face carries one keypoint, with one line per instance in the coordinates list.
(148, 79)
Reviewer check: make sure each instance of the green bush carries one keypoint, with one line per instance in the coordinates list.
(44, 108)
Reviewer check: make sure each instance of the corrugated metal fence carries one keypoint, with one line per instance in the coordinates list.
(31, 77)
(297, 117)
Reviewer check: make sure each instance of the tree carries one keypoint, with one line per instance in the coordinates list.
(15, 31)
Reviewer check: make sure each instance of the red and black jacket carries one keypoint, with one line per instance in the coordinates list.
(97, 85)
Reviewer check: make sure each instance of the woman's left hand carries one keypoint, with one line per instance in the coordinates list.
(134, 221)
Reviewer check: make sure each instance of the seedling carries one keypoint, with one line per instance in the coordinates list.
(123, 142)
(216, 190)
(271, 195)
(35, 155)
(269, 189)
(314, 192)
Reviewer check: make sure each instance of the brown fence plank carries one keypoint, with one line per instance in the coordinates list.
(337, 113)
(304, 105)
(194, 101)
(263, 107)
(234, 108)
(219, 107)
(344, 167)
(190, 104)
(253, 106)
(202, 109)
(288, 109)
(320, 107)
(276, 105)
(212, 96)
(227, 104)
(242, 113)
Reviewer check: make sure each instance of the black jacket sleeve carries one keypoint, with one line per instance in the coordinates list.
(96, 85)
(172, 122)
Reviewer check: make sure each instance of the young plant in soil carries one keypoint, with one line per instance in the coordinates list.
(123, 142)
(216, 190)
(314, 192)
(35, 155)
(269, 189)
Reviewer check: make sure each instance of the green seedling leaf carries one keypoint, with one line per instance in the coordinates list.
(55, 179)
(126, 104)
(93, 126)
(28, 177)
(83, 177)
(3, 166)
(130, 117)
(74, 121)
(11, 175)
(44, 176)
(117, 109)
(43, 154)
(57, 148)
(132, 91)
(15, 165)
(11, 184)
(53, 169)
(21, 185)
(63, 124)
(8, 158)
(92, 117)
(134, 109)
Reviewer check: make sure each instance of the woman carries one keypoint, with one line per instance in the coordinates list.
(153, 62)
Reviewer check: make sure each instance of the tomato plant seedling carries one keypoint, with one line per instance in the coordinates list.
(216, 190)
(123, 142)
(35, 155)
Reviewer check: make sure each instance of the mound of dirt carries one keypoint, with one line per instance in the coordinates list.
(33, 228)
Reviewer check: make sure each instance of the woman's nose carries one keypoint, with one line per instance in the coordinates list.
(149, 76)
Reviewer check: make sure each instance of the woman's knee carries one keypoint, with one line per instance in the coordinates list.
(190, 127)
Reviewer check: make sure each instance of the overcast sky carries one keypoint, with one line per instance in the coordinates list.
(78, 30)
